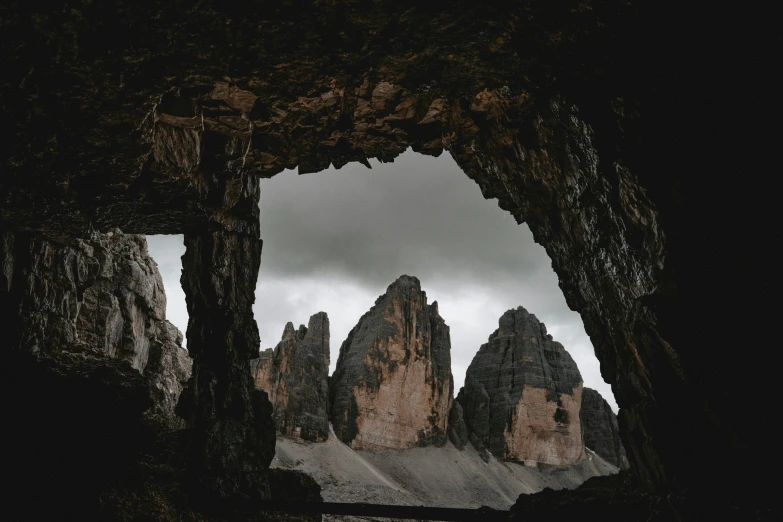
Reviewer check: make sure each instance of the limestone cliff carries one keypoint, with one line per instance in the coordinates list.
(600, 431)
(295, 375)
(522, 395)
(103, 295)
(392, 387)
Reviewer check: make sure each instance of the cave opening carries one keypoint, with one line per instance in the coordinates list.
(334, 240)
(167, 252)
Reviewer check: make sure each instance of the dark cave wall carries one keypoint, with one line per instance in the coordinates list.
(580, 118)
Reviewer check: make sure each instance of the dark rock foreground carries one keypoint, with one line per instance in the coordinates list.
(632, 137)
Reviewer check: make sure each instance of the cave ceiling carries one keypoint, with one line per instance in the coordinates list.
(150, 118)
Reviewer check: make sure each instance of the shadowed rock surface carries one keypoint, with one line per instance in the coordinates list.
(600, 430)
(232, 437)
(392, 387)
(109, 459)
(617, 497)
(102, 295)
(92, 353)
(70, 409)
(295, 376)
(457, 430)
(522, 394)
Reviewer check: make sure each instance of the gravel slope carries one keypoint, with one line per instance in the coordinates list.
(427, 476)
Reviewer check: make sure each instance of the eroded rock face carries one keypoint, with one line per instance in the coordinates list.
(102, 294)
(457, 430)
(522, 394)
(295, 376)
(392, 387)
(600, 430)
(232, 437)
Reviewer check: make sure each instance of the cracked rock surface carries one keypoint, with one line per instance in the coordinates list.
(392, 387)
(295, 376)
(103, 295)
(522, 395)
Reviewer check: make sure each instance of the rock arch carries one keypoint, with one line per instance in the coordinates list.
(154, 138)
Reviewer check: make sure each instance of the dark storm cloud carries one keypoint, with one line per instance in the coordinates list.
(334, 240)
(419, 213)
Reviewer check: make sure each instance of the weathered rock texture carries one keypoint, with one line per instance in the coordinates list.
(600, 430)
(295, 376)
(102, 294)
(392, 387)
(457, 430)
(522, 394)
(232, 432)
(608, 139)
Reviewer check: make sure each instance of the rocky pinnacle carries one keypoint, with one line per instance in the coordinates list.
(522, 395)
(393, 387)
(295, 376)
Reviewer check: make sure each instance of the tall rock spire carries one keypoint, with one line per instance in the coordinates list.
(523, 393)
(295, 376)
(393, 387)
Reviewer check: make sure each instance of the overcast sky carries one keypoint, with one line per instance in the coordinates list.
(334, 240)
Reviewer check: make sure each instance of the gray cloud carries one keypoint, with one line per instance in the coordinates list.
(334, 241)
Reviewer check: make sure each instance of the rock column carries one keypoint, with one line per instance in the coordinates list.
(232, 431)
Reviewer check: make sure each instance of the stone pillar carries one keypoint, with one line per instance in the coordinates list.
(232, 432)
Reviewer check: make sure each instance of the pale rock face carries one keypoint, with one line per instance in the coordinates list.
(393, 387)
(540, 430)
(103, 294)
(295, 376)
(265, 372)
(523, 394)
